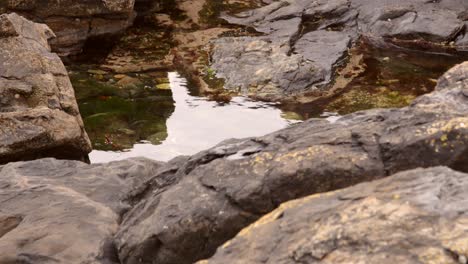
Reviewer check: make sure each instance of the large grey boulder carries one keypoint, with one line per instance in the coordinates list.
(302, 42)
(39, 116)
(207, 199)
(417, 216)
(76, 21)
(54, 211)
(268, 65)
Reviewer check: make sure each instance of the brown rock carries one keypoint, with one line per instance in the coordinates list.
(56, 211)
(39, 116)
(74, 22)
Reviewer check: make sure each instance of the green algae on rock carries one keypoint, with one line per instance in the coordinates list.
(116, 117)
(384, 77)
(357, 100)
(116, 123)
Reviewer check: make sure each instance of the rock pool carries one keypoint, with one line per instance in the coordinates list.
(195, 124)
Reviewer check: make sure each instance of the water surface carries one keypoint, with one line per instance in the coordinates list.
(391, 77)
(197, 124)
(160, 117)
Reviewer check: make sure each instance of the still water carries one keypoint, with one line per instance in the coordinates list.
(197, 124)
(156, 116)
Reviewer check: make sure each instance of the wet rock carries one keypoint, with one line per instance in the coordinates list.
(265, 65)
(39, 115)
(413, 216)
(217, 192)
(272, 70)
(307, 40)
(128, 81)
(123, 67)
(164, 20)
(76, 21)
(65, 211)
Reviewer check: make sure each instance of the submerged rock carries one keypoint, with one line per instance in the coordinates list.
(39, 115)
(302, 42)
(76, 21)
(417, 216)
(54, 211)
(215, 193)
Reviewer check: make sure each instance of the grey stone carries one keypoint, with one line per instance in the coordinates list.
(54, 211)
(297, 30)
(417, 216)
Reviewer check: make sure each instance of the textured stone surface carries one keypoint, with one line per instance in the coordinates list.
(267, 65)
(75, 21)
(417, 216)
(215, 193)
(55, 211)
(39, 116)
(303, 41)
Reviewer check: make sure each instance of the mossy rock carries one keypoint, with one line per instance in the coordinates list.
(86, 87)
(163, 86)
(158, 138)
(359, 99)
(289, 115)
(162, 80)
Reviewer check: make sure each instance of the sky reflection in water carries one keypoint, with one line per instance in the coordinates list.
(198, 124)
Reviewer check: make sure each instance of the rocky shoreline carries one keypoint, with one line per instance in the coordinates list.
(374, 186)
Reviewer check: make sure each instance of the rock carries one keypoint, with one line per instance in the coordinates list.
(120, 76)
(416, 216)
(39, 116)
(266, 66)
(97, 72)
(163, 86)
(164, 20)
(432, 22)
(128, 81)
(65, 211)
(455, 78)
(271, 71)
(149, 7)
(217, 192)
(302, 41)
(74, 22)
(136, 68)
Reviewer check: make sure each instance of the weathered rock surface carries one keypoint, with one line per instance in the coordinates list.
(417, 216)
(54, 211)
(39, 116)
(303, 41)
(188, 211)
(76, 21)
